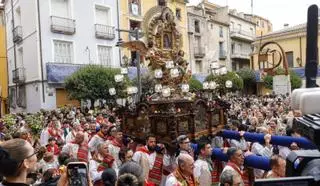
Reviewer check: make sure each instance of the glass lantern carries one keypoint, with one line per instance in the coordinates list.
(158, 88)
(124, 71)
(118, 78)
(229, 84)
(174, 73)
(166, 92)
(112, 91)
(205, 85)
(158, 73)
(212, 85)
(169, 64)
(185, 88)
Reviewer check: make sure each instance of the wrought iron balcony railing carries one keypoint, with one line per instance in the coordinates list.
(63, 25)
(18, 75)
(105, 31)
(17, 34)
(199, 52)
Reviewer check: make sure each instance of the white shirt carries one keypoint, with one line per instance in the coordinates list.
(44, 137)
(93, 143)
(227, 167)
(72, 149)
(114, 151)
(171, 180)
(202, 172)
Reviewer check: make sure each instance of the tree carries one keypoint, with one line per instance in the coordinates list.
(295, 79)
(248, 76)
(268, 81)
(92, 83)
(194, 84)
(237, 82)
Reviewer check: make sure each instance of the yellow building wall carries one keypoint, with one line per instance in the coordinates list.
(296, 44)
(62, 99)
(3, 70)
(146, 5)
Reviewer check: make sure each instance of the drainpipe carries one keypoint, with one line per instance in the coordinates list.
(40, 51)
(300, 50)
(14, 48)
(118, 20)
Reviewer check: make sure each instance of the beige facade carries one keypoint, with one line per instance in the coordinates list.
(134, 12)
(263, 25)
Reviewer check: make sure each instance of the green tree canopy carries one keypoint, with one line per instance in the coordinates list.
(248, 76)
(295, 80)
(194, 84)
(237, 82)
(93, 82)
(147, 83)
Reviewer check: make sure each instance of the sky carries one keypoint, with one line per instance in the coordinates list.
(278, 12)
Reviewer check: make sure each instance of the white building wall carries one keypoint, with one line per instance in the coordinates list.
(84, 14)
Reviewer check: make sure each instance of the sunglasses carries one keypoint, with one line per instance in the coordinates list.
(36, 152)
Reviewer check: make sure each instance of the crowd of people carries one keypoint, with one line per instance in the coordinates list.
(113, 158)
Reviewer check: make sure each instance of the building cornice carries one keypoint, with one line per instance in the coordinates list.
(243, 19)
(218, 22)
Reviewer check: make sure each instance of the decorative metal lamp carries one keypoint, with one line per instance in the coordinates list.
(118, 78)
(229, 84)
(158, 73)
(169, 64)
(223, 70)
(212, 85)
(174, 73)
(166, 92)
(158, 88)
(112, 91)
(205, 85)
(124, 71)
(185, 88)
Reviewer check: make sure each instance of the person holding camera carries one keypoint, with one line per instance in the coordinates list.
(17, 160)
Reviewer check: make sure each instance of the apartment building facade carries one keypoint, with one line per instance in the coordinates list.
(208, 32)
(47, 40)
(242, 34)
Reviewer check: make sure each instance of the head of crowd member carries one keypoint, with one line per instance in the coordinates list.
(17, 159)
(184, 142)
(151, 142)
(128, 179)
(62, 158)
(109, 177)
(205, 150)
(104, 129)
(278, 166)
(118, 135)
(79, 138)
(228, 178)
(186, 164)
(134, 169)
(254, 121)
(52, 141)
(235, 156)
(112, 131)
(125, 155)
(260, 117)
(103, 149)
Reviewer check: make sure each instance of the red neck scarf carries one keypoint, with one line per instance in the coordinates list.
(106, 163)
(143, 149)
(116, 143)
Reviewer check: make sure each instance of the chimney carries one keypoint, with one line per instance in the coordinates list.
(286, 25)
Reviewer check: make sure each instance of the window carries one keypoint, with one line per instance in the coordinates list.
(258, 23)
(197, 42)
(262, 24)
(60, 8)
(12, 97)
(197, 26)
(21, 100)
(269, 28)
(239, 26)
(102, 15)
(63, 51)
(162, 2)
(211, 26)
(198, 66)
(105, 55)
(178, 13)
(18, 17)
(221, 51)
(251, 31)
(221, 31)
(232, 48)
(290, 59)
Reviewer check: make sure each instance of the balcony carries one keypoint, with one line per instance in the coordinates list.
(18, 75)
(135, 9)
(240, 55)
(242, 35)
(199, 52)
(105, 32)
(222, 55)
(63, 25)
(17, 34)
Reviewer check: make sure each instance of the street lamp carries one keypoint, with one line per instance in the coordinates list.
(137, 34)
(228, 84)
